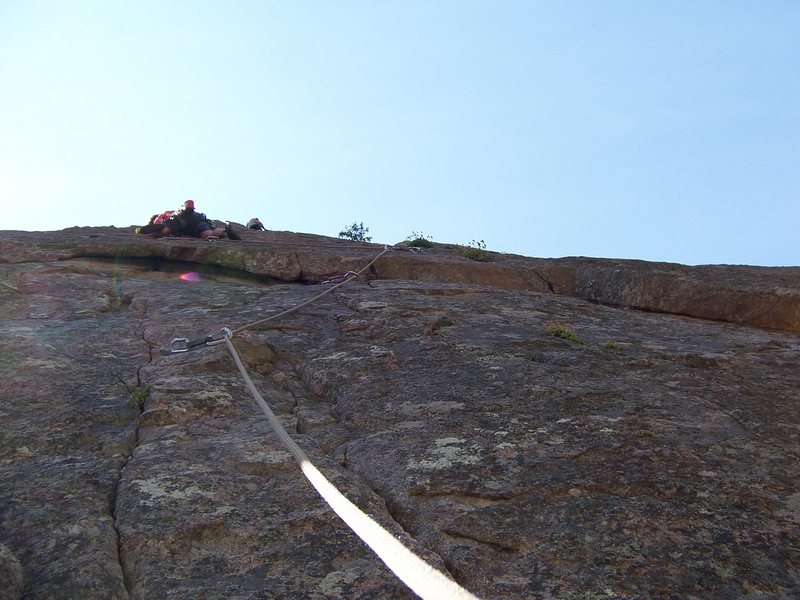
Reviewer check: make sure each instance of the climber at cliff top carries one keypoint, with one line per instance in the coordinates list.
(186, 221)
(255, 223)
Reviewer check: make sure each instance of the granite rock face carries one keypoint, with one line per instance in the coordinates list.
(10, 574)
(535, 428)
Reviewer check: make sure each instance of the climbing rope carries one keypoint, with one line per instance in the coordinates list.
(427, 582)
(182, 344)
(349, 276)
(422, 578)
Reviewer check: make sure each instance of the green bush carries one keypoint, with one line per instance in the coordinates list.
(563, 332)
(356, 233)
(476, 251)
(139, 395)
(420, 240)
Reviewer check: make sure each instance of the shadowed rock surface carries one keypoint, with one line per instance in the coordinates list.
(654, 453)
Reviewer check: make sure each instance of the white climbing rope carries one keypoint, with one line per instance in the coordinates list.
(426, 581)
(422, 578)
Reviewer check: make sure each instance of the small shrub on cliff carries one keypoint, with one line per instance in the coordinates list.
(356, 233)
(562, 331)
(610, 345)
(476, 251)
(420, 240)
(139, 395)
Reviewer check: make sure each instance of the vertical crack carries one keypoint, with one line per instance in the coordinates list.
(138, 397)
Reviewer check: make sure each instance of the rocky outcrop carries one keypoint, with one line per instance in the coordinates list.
(514, 422)
(766, 297)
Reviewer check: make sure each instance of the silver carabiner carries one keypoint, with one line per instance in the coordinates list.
(183, 344)
(179, 345)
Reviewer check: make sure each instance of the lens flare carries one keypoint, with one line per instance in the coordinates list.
(191, 277)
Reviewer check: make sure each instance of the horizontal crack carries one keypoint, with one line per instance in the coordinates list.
(499, 546)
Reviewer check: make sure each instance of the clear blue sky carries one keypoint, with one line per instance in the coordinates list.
(658, 130)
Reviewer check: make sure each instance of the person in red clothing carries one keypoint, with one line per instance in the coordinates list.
(187, 221)
(156, 222)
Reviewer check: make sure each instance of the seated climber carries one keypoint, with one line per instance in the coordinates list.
(156, 222)
(187, 221)
(256, 224)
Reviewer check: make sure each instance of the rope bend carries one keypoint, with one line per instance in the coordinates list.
(310, 300)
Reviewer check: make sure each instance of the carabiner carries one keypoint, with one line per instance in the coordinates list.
(179, 345)
(212, 339)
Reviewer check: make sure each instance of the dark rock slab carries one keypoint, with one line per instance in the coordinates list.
(11, 580)
(646, 455)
